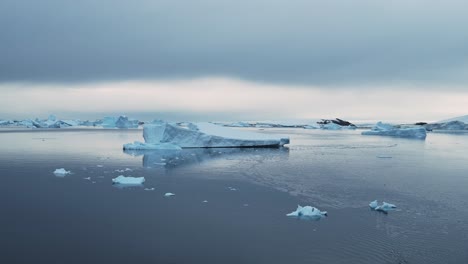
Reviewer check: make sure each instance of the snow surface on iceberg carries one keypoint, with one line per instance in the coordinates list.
(207, 135)
(382, 129)
(128, 180)
(307, 212)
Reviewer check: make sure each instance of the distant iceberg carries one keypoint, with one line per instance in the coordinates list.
(381, 129)
(451, 125)
(119, 122)
(239, 124)
(128, 180)
(307, 212)
(463, 119)
(205, 135)
(51, 122)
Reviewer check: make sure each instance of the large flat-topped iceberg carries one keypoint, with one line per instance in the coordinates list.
(381, 129)
(207, 135)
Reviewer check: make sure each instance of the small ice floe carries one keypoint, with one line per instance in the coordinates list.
(61, 172)
(168, 194)
(124, 170)
(99, 166)
(128, 180)
(205, 201)
(160, 163)
(232, 189)
(149, 189)
(385, 207)
(308, 212)
(87, 178)
(246, 204)
(373, 204)
(384, 157)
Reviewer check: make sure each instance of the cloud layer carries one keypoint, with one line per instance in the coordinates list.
(307, 42)
(224, 99)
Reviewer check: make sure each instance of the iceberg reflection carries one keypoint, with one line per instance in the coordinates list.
(184, 157)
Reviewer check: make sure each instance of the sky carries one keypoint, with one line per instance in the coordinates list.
(234, 60)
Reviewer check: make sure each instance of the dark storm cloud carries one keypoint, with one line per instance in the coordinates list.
(312, 42)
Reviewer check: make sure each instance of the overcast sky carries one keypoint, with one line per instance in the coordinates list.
(373, 59)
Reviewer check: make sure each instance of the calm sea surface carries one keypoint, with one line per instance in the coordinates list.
(83, 218)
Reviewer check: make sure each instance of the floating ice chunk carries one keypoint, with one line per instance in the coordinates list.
(87, 178)
(206, 135)
(373, 204)
(385, 207)
(61, 172)
(384, 157)
(149, 189)
(124, 170)
(307, 212)
(205, 201)
(128, 180)
(168, 194)
(232, 189)
(150, 146)
(100, 166)
(382, 129)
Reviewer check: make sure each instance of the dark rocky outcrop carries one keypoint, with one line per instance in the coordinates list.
(337, 121)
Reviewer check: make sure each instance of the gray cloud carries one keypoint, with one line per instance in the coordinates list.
(302, 42)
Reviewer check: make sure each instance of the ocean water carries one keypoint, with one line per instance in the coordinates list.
(83, 218)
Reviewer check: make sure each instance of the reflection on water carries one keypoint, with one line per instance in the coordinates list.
(171, 159)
